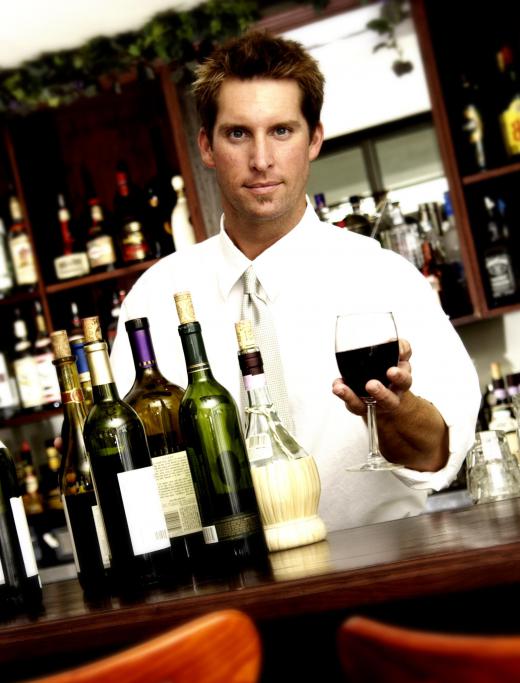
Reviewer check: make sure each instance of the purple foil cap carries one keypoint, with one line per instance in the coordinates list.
(142, 348)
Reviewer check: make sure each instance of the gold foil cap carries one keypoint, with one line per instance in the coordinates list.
(60, 344)
(92, 329)
(245, 335)
(184, 307)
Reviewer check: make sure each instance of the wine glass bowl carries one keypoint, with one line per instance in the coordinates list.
(367, 345)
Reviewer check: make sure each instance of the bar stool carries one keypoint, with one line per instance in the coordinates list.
(373, 652)
(220, 647)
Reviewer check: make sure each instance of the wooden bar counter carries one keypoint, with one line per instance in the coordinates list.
(435, 564)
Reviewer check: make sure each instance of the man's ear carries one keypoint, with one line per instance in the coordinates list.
(316, 142)
(206, 151)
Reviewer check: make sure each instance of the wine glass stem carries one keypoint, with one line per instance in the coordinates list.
(373, 441)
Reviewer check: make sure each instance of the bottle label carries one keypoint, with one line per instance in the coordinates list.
(237, 526)
(24, 536)
(510, 120)
(2, 575)
(179, 502)
(49, 384)
(23, 260)
(100, 251)
(71, 265)
(501, 277)
(7, 397)
(101, 536)
(71, 533)
(209, 533)
(26, 372)
(72, 396)
(6, 281)
(143, 510)
(133, 244)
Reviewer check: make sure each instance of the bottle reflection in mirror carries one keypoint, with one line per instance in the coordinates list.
(75, 483)
(157, 402)
(20, 584)
(125, 483)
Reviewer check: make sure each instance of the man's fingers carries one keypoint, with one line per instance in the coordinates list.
(345, 393)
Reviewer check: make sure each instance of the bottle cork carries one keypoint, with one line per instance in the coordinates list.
(184, 307)
(92, 329)
(245, 335)
(60, 344)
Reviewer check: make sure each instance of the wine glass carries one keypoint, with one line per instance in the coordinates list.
(366, 347)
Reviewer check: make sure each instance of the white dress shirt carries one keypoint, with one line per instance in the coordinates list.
(310, 275)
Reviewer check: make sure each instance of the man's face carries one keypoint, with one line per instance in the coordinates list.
(261, 151)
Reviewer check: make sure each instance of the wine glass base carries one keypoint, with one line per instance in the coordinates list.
(375, 465)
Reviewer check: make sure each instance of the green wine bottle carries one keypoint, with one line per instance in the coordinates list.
(210, 423)
(157, 402)
(84, 521)
(125, 483)
(20, 584)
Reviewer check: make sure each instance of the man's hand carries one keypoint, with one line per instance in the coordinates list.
(388, 399)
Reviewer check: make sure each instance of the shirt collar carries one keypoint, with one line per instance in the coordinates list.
(272, 265)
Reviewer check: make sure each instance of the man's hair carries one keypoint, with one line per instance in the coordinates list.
(258, 54)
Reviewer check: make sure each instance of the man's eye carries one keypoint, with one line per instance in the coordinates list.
(236, 133)
(282, 130)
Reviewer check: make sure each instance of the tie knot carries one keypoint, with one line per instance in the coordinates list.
(250, 280)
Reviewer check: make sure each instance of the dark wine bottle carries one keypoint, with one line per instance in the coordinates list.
(210, 423)
(20, 584)
(157, 402)
(84, 521)
(125, 483)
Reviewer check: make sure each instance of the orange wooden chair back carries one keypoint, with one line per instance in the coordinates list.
(373, 652)
(221, 647)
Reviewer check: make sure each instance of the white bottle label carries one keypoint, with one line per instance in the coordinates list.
(71, 534)
(27, 378)
(24, 536)
(143, 510)
(48, 378)
(23, 260)
(179, 503)
(6, 281)
(7, 397)
(100, 251)
(209, 534)
(102, 536)
(71, 265)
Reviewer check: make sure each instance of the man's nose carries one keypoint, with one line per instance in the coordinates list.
(261, 154)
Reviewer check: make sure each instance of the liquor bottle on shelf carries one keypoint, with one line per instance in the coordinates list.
(182, 229)
(210, 424)
(285, 477)
(128, 211)
(126, 487)
(78, 351)
(70, 264)
(117, 300)
(20, 584)
(75, 327)
(157, 401)
(75, 483)
(431, 269)
(6, 271)
(497, 256)
(100, 246)
(473, 154)
(502, 415)
(9, 400)
(25, 367)
(510, 102)
(49, 478)
(160, 200)
(321, 208)
(43, 355)
(404, 237)
(356, 220)
(20, 248)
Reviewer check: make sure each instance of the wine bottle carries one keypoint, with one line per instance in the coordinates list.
(83, 517)
(71, 263)
(78, 351)
(100, 244)
(128, 210)
(210, 424)
(510, 102)
(20, 584)
(20, 248)
(160, 199)
(43, 355)
(157, 402)
(125, 483)
(182, 229)
(25, 367)
(285, 477)
(6, 274)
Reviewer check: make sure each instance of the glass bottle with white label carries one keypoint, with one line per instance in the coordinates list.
(124, 478)
(25, 367)
(43, 355)
(21, 248)
(20, 584)
(84, 521)
(9, 401)
(6, 270)
(157, 401)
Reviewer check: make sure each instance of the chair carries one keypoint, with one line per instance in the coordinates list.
(221, 647)
(373, 652)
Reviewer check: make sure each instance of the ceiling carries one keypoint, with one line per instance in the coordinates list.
(30, 27)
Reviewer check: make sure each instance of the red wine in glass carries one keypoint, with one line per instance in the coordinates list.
(358, 366)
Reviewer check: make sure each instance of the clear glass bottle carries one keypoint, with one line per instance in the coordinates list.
(220, 467)
(71, 263)
(124, 478)
(21, 248)
(76, 486)
(286, 479)
(182, 229)
(157, 402)
(25, 367)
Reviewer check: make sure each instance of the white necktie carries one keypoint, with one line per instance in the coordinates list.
(255, 308)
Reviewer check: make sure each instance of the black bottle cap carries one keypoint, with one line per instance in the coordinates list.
(137, 324)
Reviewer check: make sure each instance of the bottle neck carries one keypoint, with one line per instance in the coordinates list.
(194, 352)
(103, 385)
(254, 379)
(143, 353)
(72, 397)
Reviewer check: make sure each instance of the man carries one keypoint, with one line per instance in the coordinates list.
(259, 98)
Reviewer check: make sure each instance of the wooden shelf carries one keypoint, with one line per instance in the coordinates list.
(489, 175)
(29, 418)
(18, 298)
(99, 277)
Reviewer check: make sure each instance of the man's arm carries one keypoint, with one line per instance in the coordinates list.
(411, 430)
